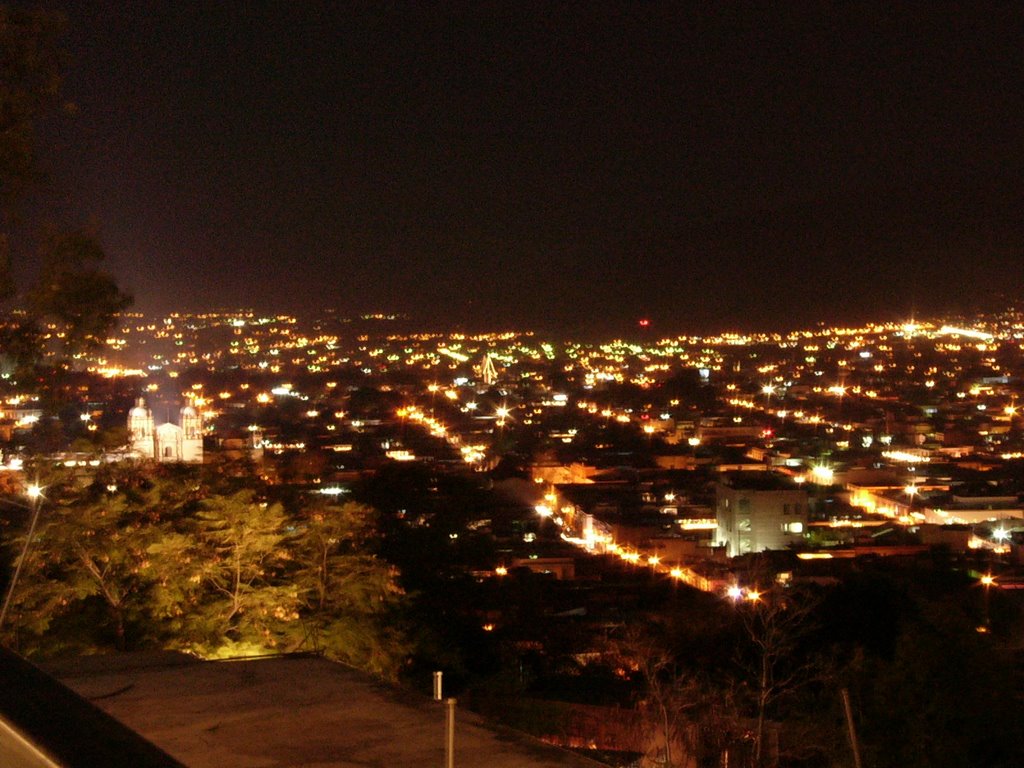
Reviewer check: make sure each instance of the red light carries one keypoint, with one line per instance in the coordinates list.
(644, 323)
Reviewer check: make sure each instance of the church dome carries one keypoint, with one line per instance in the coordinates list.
(140, 411)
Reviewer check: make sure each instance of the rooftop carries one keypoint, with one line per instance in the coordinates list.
(759, 481)
(290, 711)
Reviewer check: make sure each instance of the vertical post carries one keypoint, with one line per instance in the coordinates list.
(853, 731)
(449, 741)
(437, 686)
(35, 494)
(986, 582)
(987, 585)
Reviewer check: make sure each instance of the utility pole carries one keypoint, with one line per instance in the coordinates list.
(854, 745)
(449, 741)
(35, 493)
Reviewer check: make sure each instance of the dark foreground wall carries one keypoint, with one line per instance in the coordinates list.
(45, 724)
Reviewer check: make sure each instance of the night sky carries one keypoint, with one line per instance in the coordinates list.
(567, 168)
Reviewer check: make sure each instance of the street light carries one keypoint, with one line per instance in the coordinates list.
(911, 491)
(822, 474)
(502, 412)
(35, 493)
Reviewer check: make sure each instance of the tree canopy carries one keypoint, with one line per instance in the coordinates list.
(130, 561)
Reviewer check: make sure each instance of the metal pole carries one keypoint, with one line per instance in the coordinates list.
(449, 741)
(987, 621)
(849, 724)
(21, 560)
(437, 685)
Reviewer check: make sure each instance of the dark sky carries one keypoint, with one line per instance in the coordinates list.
(552, 166)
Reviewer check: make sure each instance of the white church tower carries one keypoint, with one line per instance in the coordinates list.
(191, 435)
(140, 428)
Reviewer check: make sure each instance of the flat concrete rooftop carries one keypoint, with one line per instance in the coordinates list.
(288, 712)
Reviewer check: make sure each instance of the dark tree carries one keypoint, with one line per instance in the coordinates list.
(71, 288)
(75, 292)
(31, 65)
(345, 592)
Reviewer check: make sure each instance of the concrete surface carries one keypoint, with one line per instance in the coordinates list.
(291, 712)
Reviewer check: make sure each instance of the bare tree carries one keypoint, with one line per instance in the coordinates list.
(776, 623)
(687, 719)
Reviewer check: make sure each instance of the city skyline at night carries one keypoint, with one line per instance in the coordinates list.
(642, 381)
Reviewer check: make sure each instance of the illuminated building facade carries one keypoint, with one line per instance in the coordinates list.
(759, 511)
(167, 442)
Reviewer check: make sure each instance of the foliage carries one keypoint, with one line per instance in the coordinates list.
(345, 591)
(73, 291)
(165, 560)
(100, 545)
(948, 696)
(237, 552)
(91, 554)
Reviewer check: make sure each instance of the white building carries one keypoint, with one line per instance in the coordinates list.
(759, 510)
(168, 442)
